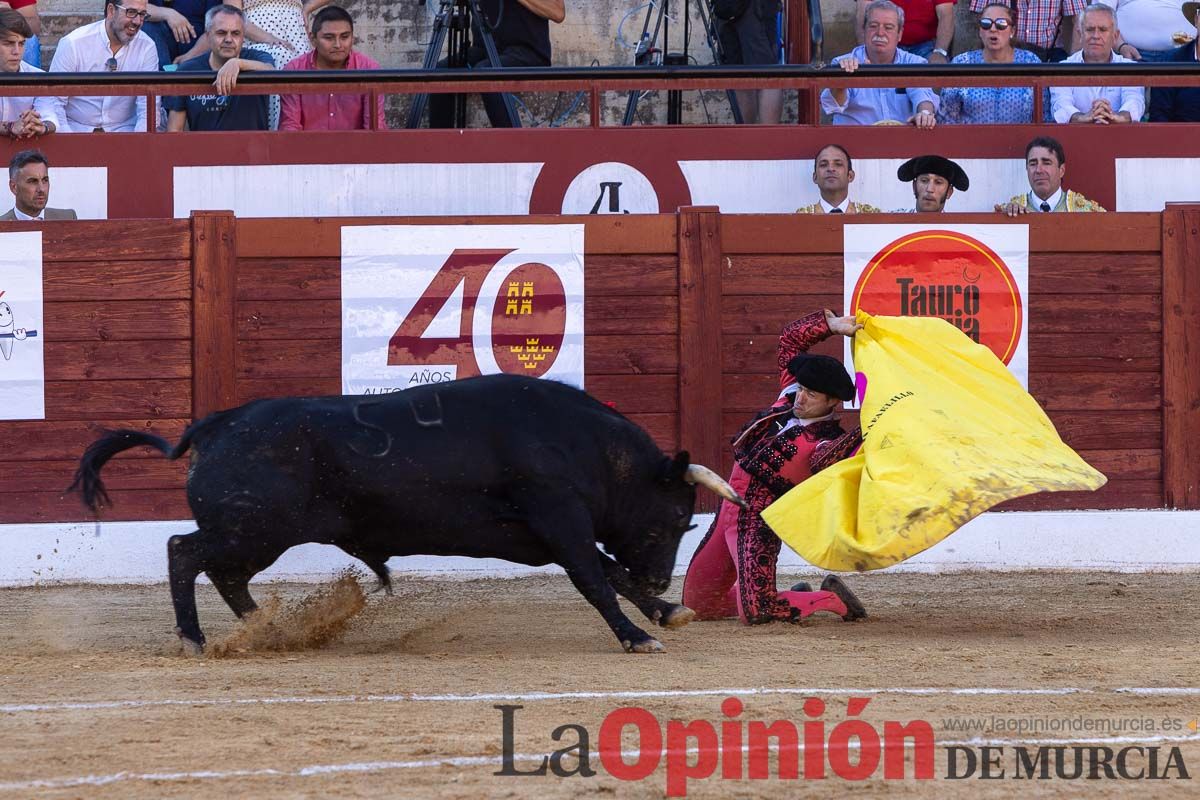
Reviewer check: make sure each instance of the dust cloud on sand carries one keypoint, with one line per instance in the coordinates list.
(313, 622)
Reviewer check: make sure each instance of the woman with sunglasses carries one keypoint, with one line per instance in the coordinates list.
(984, 105)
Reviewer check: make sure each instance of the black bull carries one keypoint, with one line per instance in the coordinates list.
(530, 471)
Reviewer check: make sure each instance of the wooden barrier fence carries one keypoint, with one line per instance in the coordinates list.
(149, 324)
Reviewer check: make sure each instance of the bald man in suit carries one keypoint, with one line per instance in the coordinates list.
(29, 181)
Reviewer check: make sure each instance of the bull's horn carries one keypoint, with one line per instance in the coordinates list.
(704, 476)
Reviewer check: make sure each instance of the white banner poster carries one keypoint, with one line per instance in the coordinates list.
(432, 303)
(976, 277)
(22, 375)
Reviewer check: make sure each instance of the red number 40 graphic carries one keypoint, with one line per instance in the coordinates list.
(526, 316)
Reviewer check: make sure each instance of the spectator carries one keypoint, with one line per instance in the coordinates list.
(1046, 164)
(333, 48)
(113, 44)
(1176, 103)
(21, 117)
(225, 27)
(1150, 29)
(934, 180)
(928, 27)
(29, 181)
(33, 45)
(980, 104)
(833, 172)
(176, 30)
(752, 37)
(1100, 105)
(1041, 22)
(883, 22)
(522, 35)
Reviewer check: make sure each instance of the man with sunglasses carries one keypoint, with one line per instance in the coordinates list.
(113, 44)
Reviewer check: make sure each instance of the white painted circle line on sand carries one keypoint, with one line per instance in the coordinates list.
(316, 770)
(17, 708)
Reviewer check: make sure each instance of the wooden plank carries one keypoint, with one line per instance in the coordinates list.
(1062, 390)
(322, 237)
(1099, 351)
(1126, 464)
(636, 394)
(260, 388)
(117, 280)
(320, 278)
(1089, 273)
(116, 240)
(700, 384)
(1113, 495)
(1181, 349)
(72, 361)
(322, 319)
(822, 233)
(136, 399)
(120, 473)
(138, 504)
(214, 283)
(118, 319)
(1048, 352)
(48, 440)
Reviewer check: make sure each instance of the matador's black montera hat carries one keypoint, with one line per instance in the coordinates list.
(822, 374)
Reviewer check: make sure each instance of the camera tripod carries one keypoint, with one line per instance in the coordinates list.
(646, 51)
(453, 22)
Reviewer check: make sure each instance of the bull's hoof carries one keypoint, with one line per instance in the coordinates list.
(191, 647)
(386, 588)
(677, 617)
(647, 645)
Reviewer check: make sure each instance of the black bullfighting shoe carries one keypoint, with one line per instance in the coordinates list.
(802, 586)
(855, 610)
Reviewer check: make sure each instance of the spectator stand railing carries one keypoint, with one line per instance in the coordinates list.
(596, 81)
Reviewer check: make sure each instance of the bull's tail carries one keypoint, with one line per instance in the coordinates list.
(87, 476)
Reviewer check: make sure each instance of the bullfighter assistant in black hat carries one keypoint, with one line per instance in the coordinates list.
(934, 179)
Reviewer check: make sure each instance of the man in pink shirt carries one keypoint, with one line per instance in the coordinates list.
(333, 48)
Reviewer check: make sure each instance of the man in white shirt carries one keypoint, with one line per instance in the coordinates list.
(883, 23)
(1098, 105)
(114, 44)
(1150, 30)
(21, 117)
(29, 181)
(833, 172)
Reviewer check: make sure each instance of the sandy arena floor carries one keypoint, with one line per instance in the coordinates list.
(207, 727)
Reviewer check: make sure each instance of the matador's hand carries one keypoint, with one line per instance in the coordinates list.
(846, 326)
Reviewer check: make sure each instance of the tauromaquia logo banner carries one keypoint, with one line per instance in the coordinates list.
(976, 277)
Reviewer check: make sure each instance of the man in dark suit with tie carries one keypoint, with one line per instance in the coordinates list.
(29, 181)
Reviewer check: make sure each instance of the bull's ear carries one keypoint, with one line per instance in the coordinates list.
(673, 469)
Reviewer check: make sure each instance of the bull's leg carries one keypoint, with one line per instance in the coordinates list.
(233, 573)
(666, 614)
(565, 528)
(187, 557)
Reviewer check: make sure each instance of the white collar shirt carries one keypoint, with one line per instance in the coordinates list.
(23, 217)
(11, 108)
(1066, 101)
(1035, 202)
(844, 206)
(87, 49)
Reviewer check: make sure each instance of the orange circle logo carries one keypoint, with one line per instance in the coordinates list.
(949, 275)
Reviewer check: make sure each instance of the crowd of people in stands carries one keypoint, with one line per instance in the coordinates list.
(228, 37)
